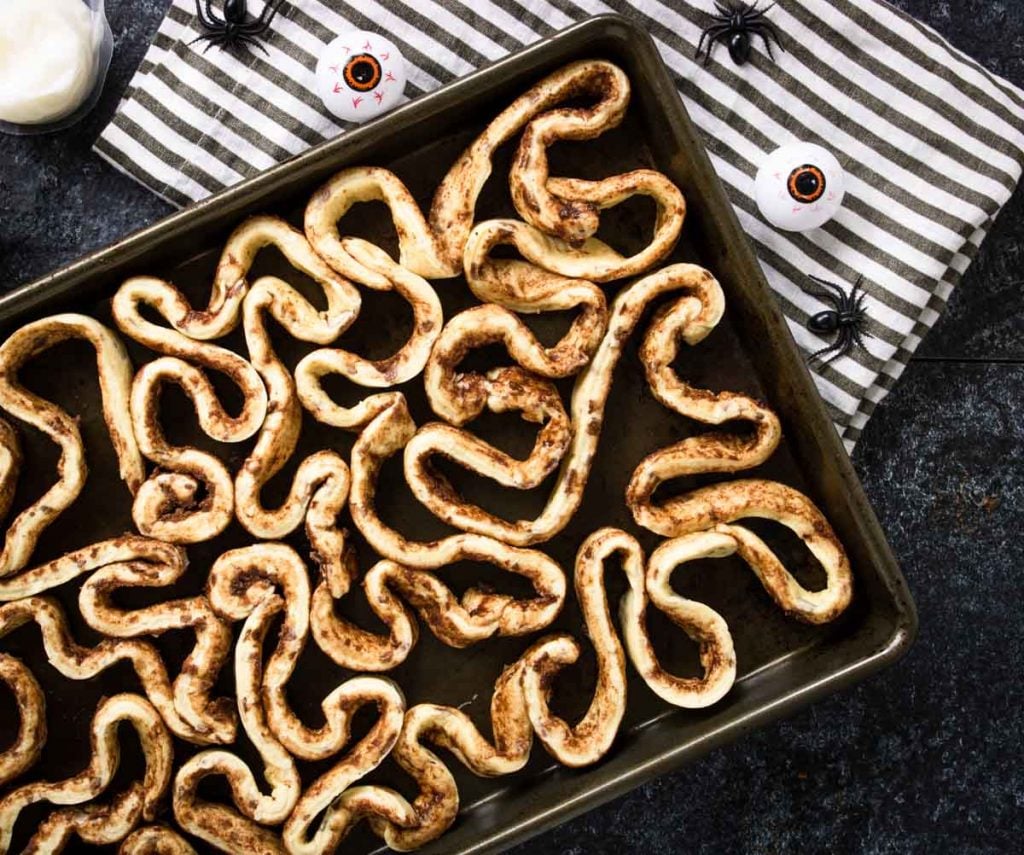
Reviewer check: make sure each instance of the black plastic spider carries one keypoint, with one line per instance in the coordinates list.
(734, 24)
(846, 318)
(236, 27)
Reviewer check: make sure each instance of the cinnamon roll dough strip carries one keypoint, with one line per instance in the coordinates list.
(10, 465)
(241, 830)
(242, 580)
(77, 662)
(115, 373)
(195, 681)
(190, 497)
(155, 840)
(406, 825)
(244, 584)
(505, 389)
(456, 621)
(140, 801)
(127, 547)
(96, 824)
(564, 212)
(718, 504)
(331, 797)
(694, 314)
(22, 753)
(372, 266)
(590, 739)
(320, 487)
(700, 622)
(188, 325)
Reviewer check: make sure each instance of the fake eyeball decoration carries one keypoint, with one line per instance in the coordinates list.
(360, 76)
(799, 187)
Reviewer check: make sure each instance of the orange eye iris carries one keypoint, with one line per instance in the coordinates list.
(806, 184)
(362, 72)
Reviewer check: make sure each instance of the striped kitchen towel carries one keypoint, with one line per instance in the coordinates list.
(932, 143)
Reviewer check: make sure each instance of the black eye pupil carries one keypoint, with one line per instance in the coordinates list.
(363, 71)
(807, 183)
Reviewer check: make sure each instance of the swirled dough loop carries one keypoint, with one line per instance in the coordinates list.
(372, 266)
(589, 740)
(693, 315)
(77, 662)
(210, 717)
(139, 802)
(190, 497)
(155, 840)
(563, 211)
(22, 753)
(709, 507)
(115, 376)
(332, 794)
(700, 622)
(230, 285)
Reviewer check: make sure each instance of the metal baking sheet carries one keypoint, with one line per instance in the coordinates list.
(783, 664)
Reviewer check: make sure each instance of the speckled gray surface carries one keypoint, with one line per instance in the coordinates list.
(926, 757)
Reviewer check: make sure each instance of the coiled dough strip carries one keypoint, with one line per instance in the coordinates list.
(190, 329)
(155, 840)
(590, 258)
(700, 622)
(695, 313)
(190, 497)
(589, 740)
(519, 708)
(320, 487)
(566, 208)
(407, 825)
(477, 615)
(506, 389)
(140, 801)
(77, 662)
(241, 831)
(458, 397)
(10, 465)
(239, 582)
(95, 823)
(28, 743)
(386, 434)
(211, 717)
(709, 507)
(332, 796)
(115, 375)
(127, 547)
(372, 266)
(230, 285)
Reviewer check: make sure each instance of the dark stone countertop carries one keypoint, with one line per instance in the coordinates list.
(925, 757)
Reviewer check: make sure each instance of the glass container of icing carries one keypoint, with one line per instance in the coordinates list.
(54, 56)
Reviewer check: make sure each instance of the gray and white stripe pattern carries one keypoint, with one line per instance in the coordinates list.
(932, 143)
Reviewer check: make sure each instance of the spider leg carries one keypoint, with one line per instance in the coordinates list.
(209, 19)
(712, 34)
(767, 30)
(726, 11)
(258, 26)
(202, 37)
(858, 338)
(755, 13)
(249, 40)
(764, 38)
(818, 355)
(837, 290)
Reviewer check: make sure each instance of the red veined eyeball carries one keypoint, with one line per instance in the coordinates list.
(360, 75)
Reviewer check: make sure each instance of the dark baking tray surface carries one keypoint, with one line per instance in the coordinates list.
(782, 664)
